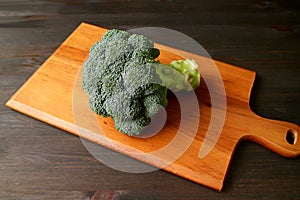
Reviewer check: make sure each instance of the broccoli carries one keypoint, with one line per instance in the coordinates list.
(124, 81)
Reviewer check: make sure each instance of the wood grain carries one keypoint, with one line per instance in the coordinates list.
(38, 161)
(49, 96)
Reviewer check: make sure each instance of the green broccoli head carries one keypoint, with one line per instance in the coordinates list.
(132, 127)
(124, 81)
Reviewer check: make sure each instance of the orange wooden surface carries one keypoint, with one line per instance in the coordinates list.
(53, 95)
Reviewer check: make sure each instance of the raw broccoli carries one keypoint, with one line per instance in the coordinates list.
(124, 81)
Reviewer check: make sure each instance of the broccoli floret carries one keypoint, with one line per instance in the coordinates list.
(132, 127)
(124, 81)
(123, 106)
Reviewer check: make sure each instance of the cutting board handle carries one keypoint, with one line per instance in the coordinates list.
(280, 137)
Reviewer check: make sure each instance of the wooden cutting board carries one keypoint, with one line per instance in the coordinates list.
(53, 95)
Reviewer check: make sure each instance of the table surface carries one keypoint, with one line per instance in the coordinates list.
(38, 161)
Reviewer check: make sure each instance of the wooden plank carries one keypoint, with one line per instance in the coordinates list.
(48, 96)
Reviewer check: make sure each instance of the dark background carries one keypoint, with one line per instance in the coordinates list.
(38, 161)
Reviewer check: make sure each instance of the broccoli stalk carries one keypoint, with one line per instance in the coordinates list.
(189, 69)
(124, 81)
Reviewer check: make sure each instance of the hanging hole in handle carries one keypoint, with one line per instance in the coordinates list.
(291, 136)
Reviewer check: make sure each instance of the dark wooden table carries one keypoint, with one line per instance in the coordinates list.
(38, 161)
